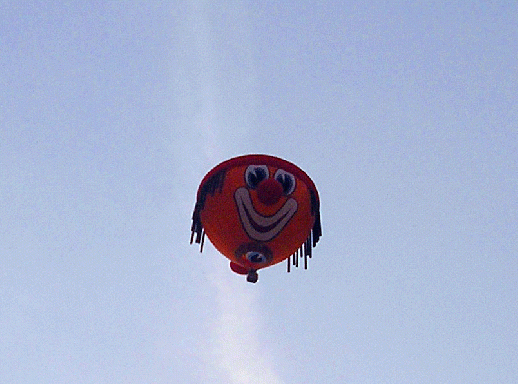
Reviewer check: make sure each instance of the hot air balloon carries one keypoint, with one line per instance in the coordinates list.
(257, 210)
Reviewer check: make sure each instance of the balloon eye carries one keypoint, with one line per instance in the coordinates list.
(254, 174)
(287, 181)
(256, 257)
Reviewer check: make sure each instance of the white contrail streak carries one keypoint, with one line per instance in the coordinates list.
(236, 346)
(234, 350)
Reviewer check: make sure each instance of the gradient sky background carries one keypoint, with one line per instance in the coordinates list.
(404, 114)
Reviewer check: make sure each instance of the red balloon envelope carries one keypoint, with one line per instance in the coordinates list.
(257, 210)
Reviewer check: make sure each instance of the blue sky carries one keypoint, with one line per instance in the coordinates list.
(403, 113)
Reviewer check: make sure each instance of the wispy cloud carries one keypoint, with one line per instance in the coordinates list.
(236, 346)
(233, 350)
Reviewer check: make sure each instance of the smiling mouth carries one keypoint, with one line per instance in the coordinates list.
(257, 226)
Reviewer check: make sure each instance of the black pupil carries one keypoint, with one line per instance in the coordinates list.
(256, 258)
(286, 182)
(256, 176)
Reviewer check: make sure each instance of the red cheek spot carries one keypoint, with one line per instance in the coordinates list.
(269, 191)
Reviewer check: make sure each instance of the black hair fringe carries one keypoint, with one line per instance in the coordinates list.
(213, 184)
(306, 249)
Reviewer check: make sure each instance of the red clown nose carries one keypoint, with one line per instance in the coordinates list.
(269, 191)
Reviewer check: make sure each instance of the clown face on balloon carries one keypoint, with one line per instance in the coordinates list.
(257, 210)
